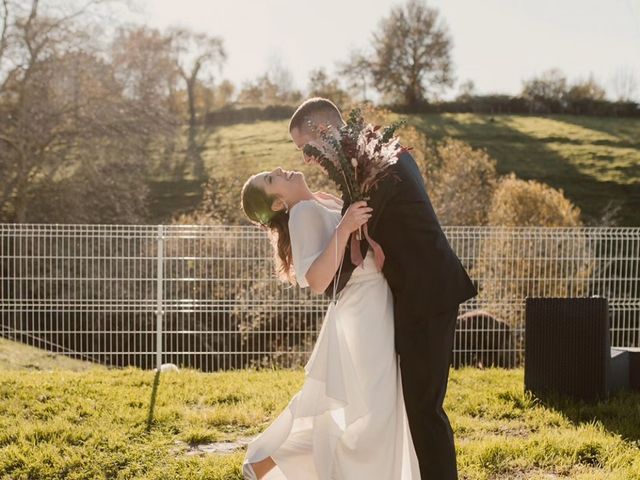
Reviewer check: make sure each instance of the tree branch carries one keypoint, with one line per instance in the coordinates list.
(5, 27)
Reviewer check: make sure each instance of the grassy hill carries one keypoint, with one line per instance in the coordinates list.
(594, 160)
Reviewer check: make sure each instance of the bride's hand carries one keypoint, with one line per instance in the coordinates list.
(356, 215)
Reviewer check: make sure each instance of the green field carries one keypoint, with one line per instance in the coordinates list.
(90, 424)
(594, 160)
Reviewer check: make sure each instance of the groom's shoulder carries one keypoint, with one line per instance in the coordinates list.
(402, 169)
(406, 161)
(396, 174)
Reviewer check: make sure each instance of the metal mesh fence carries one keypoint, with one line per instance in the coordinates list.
(207, 297)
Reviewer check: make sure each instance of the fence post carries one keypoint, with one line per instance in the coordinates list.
(159, 296)
(159, 315)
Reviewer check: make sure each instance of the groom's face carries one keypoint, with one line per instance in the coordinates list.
(301, 138)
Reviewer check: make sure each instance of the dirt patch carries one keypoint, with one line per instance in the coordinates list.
(512, 431)
(216, 448)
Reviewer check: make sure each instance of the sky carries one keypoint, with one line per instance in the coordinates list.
(496, 43)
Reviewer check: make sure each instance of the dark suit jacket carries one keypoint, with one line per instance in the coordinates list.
(424, 274)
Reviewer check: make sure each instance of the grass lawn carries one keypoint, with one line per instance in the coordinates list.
(90, 424)
(593, 159)
(16, 356)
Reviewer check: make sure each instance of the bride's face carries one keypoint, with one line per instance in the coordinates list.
(287, 185)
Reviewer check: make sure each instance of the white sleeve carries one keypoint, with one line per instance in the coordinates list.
(331, 204)
(310, 231)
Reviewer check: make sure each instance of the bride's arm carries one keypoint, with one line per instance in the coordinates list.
(325, 266)
(381, 195)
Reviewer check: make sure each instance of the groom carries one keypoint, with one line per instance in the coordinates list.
(428, 283)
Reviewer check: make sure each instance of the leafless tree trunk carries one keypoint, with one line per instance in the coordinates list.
(195, 53)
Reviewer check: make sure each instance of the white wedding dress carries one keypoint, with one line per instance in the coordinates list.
(348, 420)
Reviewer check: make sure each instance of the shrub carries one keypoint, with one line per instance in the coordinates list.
(530, 203)
(461, 183)
(514, 264)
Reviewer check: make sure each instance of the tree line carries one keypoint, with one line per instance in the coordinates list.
(409, 65)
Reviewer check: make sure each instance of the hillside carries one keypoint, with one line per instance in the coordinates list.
(594, 160)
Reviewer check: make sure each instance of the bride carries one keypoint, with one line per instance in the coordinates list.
(348, 420)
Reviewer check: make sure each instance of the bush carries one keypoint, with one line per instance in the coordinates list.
(461, 182)
(220, 202)
(251, 312)
(530, 203)
(515, 264)
(518, 105)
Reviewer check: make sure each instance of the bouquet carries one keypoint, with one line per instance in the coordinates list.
(356, 160)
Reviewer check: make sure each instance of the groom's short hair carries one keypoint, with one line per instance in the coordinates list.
(316, 109)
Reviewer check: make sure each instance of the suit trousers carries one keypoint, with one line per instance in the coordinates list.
(425, 358)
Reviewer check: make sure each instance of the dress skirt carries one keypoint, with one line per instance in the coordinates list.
(348, 420)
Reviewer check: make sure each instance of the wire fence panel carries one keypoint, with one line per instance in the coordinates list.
(207, 297)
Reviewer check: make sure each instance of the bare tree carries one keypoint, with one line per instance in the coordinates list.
(224, 94)
(62, 112)
(357, 72)
(30, 43)
(197, 56)
(412, 53)
(279, 75)
(4, 27)
(624, 84)
(466, 90)
(274, 87)
(321, 85)
(547, 91)
(588, 89)
(143, 63)
(142, 59)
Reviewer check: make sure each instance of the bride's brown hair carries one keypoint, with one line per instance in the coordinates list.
(256, 205)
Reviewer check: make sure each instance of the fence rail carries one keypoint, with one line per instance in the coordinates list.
(206, 297)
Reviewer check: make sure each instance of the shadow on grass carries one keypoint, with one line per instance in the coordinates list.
(620, 414)
(627, 130)
(531, 159)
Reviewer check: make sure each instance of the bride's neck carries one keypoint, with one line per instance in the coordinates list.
(305, 196)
